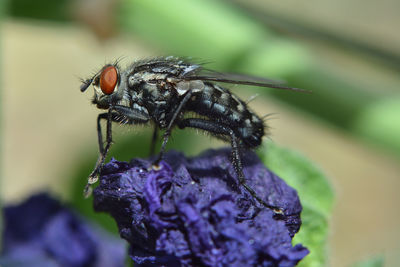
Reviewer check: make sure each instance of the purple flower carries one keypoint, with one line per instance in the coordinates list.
(193, 212)
(40, 232)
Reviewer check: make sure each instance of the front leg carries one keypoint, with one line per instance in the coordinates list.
(113, 115)
(94, 175)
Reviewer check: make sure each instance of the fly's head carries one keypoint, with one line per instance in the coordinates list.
(107, 86)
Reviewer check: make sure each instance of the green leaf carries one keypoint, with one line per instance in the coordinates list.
(316, 196)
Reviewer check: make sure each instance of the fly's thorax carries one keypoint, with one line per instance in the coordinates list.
(136, 78)
(149, 87)
(153, 92)
(172, 66)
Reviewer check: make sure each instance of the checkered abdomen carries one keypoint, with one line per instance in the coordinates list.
(221, 106)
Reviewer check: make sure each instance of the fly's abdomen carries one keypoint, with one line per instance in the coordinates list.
(220, 105)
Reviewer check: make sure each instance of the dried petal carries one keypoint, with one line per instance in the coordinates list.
(194, 212)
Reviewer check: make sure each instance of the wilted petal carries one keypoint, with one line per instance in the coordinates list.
(193, 211)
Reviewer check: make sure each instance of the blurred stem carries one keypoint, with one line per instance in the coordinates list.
(333, 100)
(304, 30)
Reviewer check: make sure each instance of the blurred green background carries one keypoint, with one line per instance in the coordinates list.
(346, 52)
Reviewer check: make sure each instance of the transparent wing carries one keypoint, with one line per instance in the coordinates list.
(214, 76)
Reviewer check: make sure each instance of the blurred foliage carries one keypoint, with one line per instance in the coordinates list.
(40, 9)
(380, 123)
(314, 32)
(373, 262)
(316, 195)
(184, 31)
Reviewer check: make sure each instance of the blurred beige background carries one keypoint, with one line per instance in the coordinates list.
(48, 123)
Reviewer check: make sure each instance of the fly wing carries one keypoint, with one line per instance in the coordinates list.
(213, 76)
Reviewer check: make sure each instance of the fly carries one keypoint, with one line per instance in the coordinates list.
(162, 90)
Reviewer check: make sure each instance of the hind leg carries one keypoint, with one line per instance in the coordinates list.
(219, 129)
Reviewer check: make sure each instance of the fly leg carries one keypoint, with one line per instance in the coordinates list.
(153, 140)
(219, 129)
(94, 175)
(113, 115)
(170, 125)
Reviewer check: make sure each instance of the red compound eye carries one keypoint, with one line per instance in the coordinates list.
(108, 80)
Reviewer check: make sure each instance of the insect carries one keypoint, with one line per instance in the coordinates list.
(164, 91)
